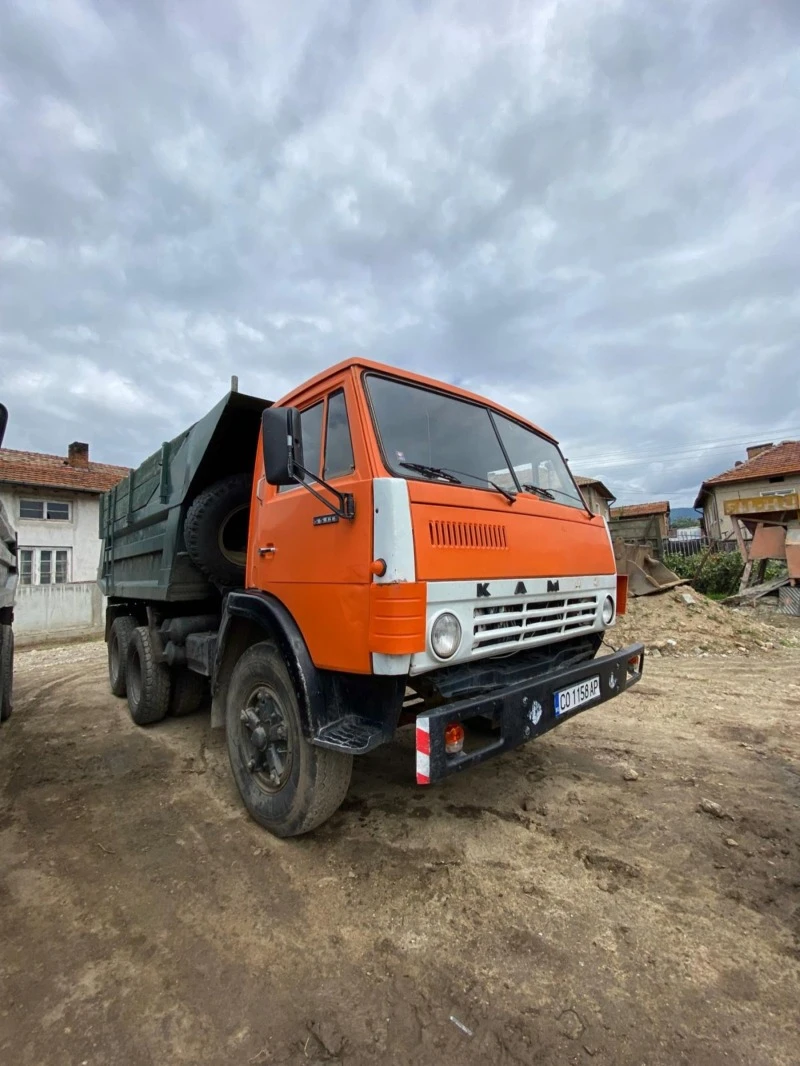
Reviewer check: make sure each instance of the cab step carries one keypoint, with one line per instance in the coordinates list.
(350, 735)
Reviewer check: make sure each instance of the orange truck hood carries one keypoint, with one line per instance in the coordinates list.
(465, 533)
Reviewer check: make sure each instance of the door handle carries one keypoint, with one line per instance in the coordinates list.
(270, 549)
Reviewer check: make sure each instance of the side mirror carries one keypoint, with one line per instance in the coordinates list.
(282, 440)
(3, 421)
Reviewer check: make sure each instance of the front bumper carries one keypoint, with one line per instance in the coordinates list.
(522, 711)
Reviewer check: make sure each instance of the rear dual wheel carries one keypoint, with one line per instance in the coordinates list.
(6, 672)
(187, 692)
(122, 630)
(288, 785)
(147, 680)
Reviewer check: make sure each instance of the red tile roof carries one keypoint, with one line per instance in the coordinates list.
(634, 510)
(783, 458)
(55, 472)
(585, 482)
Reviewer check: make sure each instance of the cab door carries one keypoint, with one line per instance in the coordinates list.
(317, 563)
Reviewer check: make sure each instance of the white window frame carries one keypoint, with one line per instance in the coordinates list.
(46, 504)
(51, 569)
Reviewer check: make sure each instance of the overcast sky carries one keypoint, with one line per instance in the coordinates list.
(588, 210)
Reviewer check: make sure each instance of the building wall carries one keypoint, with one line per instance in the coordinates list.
(58, 612)
(79, 533)
(597, 504)
(641, 527)
(719, 525)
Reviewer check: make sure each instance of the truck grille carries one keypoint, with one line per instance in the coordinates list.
(533, 621)
(467, 535)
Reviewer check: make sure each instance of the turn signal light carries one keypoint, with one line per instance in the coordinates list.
(453, 738)
(634, 663)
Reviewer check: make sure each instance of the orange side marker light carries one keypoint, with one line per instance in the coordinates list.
(453, 738)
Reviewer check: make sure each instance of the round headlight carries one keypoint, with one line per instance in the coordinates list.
(608, 611)
(445, 635)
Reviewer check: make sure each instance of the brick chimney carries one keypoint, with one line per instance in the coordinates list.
(78, 454)
(757, 449)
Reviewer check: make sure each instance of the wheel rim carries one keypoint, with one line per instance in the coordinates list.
(232, 539)
(134, 679)
(265, 740)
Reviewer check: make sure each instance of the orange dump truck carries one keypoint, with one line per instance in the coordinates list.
(375, 550)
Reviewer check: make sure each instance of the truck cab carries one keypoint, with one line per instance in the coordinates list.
(415, 554)
(460, 509)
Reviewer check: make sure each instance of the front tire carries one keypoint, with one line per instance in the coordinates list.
(118, 640)
(288, 786)
(148, 681)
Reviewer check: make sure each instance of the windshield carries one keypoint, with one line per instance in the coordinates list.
(437, 436)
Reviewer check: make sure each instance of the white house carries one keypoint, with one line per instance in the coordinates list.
(53, 502)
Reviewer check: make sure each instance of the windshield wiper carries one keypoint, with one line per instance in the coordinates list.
(546, 494)
(508, 493)
(447, 473)
(432, 471)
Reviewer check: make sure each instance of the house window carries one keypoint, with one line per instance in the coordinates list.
(44, 566)
(54, 510)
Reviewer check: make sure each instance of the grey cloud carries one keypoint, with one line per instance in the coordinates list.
(589, 211)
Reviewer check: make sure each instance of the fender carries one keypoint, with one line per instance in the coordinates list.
(269, 615)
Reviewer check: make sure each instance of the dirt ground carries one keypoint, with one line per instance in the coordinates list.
(568, 903)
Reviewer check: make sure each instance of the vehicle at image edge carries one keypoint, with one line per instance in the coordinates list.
(8, 588)
(376, 550)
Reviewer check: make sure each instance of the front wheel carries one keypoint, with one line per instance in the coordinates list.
(288, 785)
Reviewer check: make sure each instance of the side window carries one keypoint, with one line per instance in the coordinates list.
(311, 423)
(338, 445)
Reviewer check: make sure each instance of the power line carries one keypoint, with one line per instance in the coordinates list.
(612, 458)
(644, 457)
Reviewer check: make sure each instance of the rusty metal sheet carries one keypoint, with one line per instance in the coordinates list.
(769, 542)
(789, 600)
(793, 550)
(762, 504)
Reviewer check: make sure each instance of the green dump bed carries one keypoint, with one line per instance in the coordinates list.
(141, 520)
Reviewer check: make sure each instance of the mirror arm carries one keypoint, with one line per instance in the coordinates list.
(347, 504)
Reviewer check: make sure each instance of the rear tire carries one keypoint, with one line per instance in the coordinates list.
(148, 681)
(215, 530)
(6, 672)
(188, 691)
(118, 640)
(313, 781)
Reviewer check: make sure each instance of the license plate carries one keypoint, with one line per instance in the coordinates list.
(568, 699)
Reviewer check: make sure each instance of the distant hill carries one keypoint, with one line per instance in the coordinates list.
(683, 512)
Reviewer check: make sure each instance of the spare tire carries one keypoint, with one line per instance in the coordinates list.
(216, 529)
